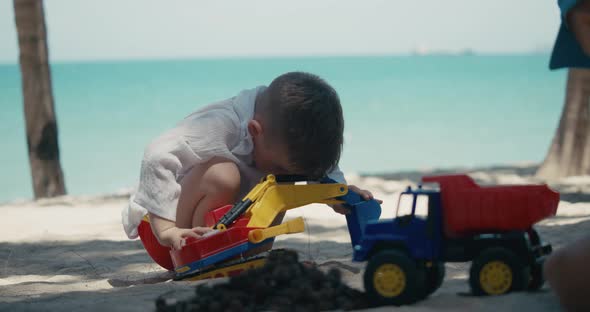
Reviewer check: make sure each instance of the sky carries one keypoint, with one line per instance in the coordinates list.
(83, 30)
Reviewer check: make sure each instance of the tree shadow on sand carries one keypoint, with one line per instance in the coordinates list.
(103, 261)
(562, 234)
(93, 259)
(140, 298)
(577, 197)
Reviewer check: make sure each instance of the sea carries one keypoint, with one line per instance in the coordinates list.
(401, 113)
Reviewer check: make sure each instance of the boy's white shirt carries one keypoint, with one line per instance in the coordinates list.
(218, 130)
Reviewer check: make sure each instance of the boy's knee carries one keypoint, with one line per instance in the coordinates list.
(565, 272)
(221, 180)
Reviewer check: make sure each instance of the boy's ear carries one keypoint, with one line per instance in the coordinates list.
(254, 127)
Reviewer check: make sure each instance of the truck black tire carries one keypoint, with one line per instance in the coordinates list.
(537, 279)
(393, 278)
(497, 271)
(434, 277)
(534, 237)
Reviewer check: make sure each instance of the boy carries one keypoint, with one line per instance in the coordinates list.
(566, 269)
(217, 154)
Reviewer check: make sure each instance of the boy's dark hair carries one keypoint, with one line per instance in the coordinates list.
(305, 112)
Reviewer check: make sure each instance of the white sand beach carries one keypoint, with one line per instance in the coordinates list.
(71, 254)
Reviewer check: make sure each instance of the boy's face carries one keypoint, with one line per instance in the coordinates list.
(269, 157)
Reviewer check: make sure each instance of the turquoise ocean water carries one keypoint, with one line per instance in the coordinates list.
(402, 112)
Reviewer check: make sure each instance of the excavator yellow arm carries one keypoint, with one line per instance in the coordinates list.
(278, 198)
(292, 226)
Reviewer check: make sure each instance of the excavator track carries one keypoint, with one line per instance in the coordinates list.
(226, 269)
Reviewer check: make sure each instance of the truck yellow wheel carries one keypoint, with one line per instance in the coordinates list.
(389, 280)
(392, 277)
(497, 271)
(495, 278)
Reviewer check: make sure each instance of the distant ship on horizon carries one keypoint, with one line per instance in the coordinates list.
(423, 50)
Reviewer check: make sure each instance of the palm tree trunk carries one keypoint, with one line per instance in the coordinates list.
(569, 154)
(38, 99)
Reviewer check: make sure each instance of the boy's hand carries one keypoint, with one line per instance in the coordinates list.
(366, 195)
(174, 237)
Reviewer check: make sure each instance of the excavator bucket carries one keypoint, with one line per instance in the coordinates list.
(361, 212)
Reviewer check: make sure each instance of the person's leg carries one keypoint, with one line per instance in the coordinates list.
(207, 186)
(160, 254)
(567, 271)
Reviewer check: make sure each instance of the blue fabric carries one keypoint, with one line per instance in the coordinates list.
(567, 51)
(565, 6)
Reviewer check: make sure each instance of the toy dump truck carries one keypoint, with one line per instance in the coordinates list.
(461, 221)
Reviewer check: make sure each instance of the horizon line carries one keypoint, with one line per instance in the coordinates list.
(461, 53)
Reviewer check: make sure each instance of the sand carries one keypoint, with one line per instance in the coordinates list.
(71, 253)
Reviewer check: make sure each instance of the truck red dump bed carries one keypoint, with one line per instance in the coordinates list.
(468, 208)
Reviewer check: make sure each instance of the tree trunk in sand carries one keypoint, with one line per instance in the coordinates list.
(569, 154)
(38, 100)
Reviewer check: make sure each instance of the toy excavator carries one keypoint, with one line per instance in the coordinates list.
(241, 232)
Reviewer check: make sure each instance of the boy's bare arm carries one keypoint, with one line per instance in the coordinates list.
(168, 234)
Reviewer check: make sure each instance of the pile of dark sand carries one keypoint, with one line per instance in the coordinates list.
(282, 284)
